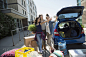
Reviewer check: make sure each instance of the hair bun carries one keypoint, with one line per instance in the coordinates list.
(47, 15)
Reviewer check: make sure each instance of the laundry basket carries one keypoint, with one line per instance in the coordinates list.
(23, 52)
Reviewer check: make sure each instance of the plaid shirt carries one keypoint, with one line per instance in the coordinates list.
(42, 35)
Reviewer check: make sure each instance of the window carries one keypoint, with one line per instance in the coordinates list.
(5, 1)
(24, 4)
(28, 1)
(1, 5)
(5, 6)
(68, 15)
(34, 18)
(30, 4)
(25, 12)
(31, 10)
(34, 14)
(31, 18)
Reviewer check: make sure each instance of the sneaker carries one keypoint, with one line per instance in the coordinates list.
(40, 52)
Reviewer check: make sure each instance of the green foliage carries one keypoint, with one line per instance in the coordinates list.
(82, 25)
(6, 25)
(32, 28)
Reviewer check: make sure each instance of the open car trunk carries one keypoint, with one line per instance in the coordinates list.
(69, 29)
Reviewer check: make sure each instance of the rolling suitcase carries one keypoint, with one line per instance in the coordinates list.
(45, 53)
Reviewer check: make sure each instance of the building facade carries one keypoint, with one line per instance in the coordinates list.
(83, 3)
(80, 18)
(16, 9)
(22, 10)
(3, 4)
(32, 11)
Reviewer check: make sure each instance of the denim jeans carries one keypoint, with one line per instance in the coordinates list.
(39, 42)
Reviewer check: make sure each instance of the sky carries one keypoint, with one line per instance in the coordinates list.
(51, 7)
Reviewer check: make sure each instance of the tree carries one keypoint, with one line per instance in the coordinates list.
(6, 25)
(62, 16)
(54, 16)
(71, 16)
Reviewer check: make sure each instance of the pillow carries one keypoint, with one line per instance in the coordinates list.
(10, 53)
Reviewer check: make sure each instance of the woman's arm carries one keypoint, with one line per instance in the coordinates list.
(45, 22)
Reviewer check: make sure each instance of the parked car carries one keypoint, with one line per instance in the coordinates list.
(67, 28)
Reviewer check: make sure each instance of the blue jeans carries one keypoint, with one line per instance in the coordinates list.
(39, 42)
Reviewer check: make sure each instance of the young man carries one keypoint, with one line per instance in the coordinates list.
(49, 31)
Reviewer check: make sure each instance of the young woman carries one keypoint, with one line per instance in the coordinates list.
(39, 34)
(49, 31)
(44, 31)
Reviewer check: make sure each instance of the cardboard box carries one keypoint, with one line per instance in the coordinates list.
(27, 40)
(34, 43)
(77, 53)
(30, 42)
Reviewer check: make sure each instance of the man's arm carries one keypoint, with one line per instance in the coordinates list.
(55, 19)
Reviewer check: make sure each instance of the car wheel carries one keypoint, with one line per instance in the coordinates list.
(56, 47)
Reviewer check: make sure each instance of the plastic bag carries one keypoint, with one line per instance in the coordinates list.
(34, 54)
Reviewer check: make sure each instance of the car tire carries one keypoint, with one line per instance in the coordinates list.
(56, 47)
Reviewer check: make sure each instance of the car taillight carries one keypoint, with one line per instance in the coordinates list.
(82, 31)
(56, 32)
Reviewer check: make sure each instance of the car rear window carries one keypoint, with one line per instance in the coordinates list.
(68, 24)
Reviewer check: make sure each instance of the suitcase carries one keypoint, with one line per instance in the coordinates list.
(45, 53)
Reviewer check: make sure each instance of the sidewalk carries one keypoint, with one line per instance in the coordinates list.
(7, 44)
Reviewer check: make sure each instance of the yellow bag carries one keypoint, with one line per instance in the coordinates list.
(62, 34)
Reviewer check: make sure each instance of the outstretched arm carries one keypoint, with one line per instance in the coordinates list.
(55, 20)
(45, 22)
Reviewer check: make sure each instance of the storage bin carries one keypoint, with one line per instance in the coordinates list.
(62, 46)
(23, 52)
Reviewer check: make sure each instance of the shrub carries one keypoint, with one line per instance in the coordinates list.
(6, 25)
(32, 28)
